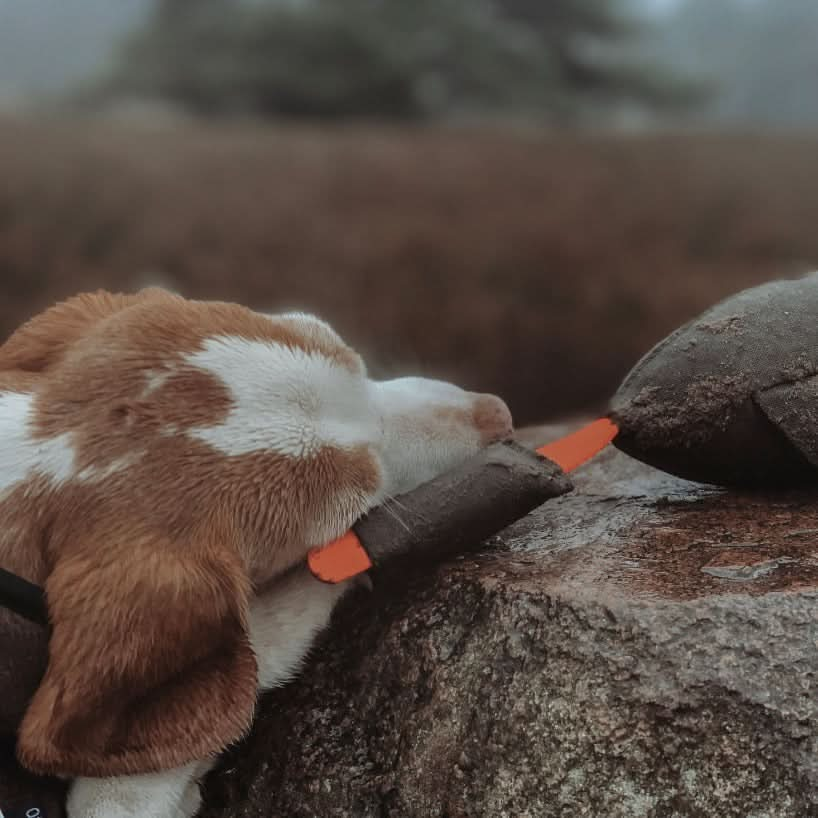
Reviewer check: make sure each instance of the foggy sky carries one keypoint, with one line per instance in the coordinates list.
(46, 45)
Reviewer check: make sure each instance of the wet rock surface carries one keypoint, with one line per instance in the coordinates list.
(644, 646)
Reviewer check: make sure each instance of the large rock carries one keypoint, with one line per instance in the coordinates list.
(642, 647)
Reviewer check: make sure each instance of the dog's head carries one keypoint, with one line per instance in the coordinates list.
(175, 454)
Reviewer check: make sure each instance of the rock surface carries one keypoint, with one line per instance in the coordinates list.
(642, 647)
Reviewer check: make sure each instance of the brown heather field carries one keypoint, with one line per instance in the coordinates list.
(533, 266)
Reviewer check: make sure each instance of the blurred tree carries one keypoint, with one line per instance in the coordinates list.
(590, 47)
(761, 55)
(393, 58)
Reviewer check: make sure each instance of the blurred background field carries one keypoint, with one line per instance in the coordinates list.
(520, 196)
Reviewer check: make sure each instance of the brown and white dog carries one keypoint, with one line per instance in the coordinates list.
(165, 465)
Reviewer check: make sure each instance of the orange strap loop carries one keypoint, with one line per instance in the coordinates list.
(339, 560)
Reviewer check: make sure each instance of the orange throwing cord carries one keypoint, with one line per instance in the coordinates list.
(346, 557)
(571, 451)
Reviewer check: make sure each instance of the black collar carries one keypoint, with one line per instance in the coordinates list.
(23, 597)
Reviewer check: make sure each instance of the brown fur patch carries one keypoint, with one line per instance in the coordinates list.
(25, 520)
(492, 418)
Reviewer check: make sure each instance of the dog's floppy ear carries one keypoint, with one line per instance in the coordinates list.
(150, 663)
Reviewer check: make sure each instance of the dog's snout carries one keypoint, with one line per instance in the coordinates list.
(492, 418)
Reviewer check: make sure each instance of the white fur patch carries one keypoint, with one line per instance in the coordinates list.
(155, 379)
(93, 474)
(285, 400)
(418, 442)
(22, 455)
(284, 621)
(169, 794)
